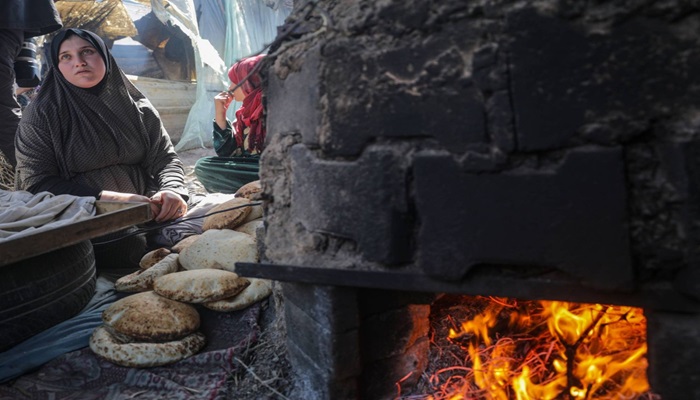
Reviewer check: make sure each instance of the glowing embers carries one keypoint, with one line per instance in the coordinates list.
(494, 348)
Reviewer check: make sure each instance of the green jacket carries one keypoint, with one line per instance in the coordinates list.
(225, 145)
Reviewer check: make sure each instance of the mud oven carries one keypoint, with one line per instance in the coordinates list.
(530, 149)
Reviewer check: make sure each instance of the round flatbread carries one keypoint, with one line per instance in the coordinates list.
(149, 317)
(184, 243)
(219, 249)
(251, 227)
(227, 215)
(259, 289)
(251, 191)
(142, 355)
(200, 285)
(256, 212)
(152, 257)
(142, 279)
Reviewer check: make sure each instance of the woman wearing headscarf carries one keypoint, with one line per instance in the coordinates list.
(238, 145)
(91, 132)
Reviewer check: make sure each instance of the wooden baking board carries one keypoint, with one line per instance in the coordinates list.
(110, 217)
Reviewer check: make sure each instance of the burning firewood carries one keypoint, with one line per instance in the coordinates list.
(505, 349)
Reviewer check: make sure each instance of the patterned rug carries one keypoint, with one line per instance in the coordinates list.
(81, 375)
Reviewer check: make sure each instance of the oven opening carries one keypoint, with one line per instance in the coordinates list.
(504, 348)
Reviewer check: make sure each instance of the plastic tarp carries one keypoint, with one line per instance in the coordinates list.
(209, 66)
(252, 25)
(243, 26)
(212, 22)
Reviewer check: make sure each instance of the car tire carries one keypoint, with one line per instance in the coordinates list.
(42, 291)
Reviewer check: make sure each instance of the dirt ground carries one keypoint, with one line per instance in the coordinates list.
(189, 158)
(265, 372)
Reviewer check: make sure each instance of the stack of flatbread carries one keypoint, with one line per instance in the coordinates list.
(200, 270)
(147, 330)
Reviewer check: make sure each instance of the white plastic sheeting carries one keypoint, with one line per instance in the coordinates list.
(136, 9)
(212, 22)
(252, 26)
(209, 65)
(246, 26)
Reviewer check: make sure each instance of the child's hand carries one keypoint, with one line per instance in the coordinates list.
(223, 99)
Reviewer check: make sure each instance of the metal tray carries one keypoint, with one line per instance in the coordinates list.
(110, 217)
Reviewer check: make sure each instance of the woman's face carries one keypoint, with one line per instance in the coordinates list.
(80, 63)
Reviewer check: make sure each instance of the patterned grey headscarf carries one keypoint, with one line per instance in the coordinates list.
(91, 38)
(76, 141)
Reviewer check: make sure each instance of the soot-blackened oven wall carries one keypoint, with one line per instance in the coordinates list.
(531, 149)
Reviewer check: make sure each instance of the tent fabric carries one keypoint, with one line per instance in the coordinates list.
(211, 18)
(249, 26)
(209, 66)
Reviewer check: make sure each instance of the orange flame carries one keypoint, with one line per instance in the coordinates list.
(554, 350)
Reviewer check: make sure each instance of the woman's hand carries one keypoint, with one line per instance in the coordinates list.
(120, 196)
(108, 195)
(169, 206)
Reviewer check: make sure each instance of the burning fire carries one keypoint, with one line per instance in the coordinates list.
(546, 350)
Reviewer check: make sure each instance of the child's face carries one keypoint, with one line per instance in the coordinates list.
(238, 94)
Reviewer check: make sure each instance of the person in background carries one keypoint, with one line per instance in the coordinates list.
(91, 132)
(19, 20)
(238, 145)
(25, 95)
